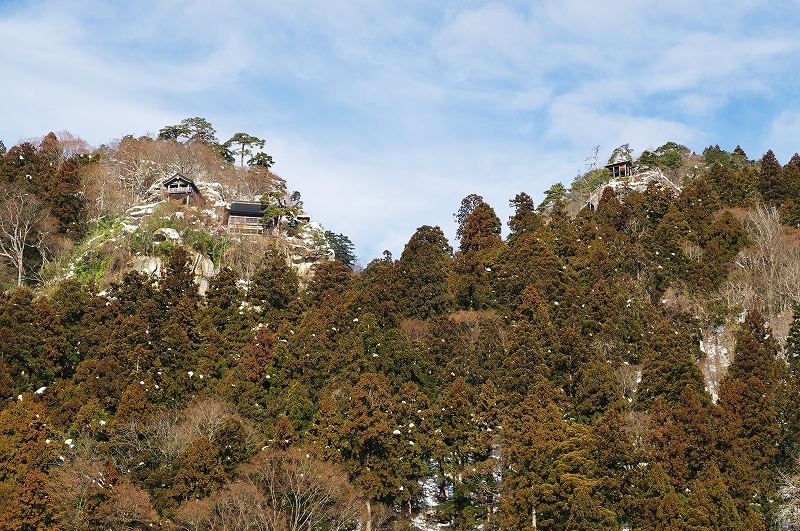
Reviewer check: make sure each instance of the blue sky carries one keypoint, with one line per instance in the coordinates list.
(385, 114)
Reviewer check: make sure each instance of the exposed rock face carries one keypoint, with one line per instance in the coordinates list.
(202, 268)
(149, 265)
(306, 249)
(301, 258)
(638, 181)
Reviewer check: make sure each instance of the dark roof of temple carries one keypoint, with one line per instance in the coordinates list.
(246, 208)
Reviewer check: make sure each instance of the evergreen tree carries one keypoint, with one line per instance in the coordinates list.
(724, 181)
(525, 218)
(479, 236)
(683, 438)
(31, 341)
(748, 398)
(480, 230)
(668, 368)
(63, 196)
(790, 209)
(770, 180)
(424, 268)
(274, 285)
(343, 248)
(330, 280)
(596, 392)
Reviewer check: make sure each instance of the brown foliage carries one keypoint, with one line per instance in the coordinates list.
(415, 330)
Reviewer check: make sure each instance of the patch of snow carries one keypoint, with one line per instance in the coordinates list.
(142, 210)
(170, 234)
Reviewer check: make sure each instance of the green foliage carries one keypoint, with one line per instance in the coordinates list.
(245, 143)
(343, 248)
(197, 238)
(193, 129)
(669, 156)
(557, 192)
(585, 183)
(279, 208)
(261, 159)
(622, 153)
(716, 155)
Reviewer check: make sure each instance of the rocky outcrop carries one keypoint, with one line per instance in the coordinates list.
(302, 258)
(201, 267)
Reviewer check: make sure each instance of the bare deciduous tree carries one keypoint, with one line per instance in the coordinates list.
(78, 488)
(284, 490)
(129, 507)
(771, 267)
(238, 506)
(22, 220)
(131, 168)
(305, 492)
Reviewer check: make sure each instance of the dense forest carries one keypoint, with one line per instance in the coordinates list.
(555, 379)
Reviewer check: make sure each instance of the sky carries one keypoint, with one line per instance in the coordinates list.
(385, 114)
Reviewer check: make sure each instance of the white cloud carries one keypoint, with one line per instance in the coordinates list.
(590, 126)
(487, 43)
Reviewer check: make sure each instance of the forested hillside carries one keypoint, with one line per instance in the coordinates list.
(555, 379)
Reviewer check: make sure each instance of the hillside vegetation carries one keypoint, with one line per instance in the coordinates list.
(629, 366)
